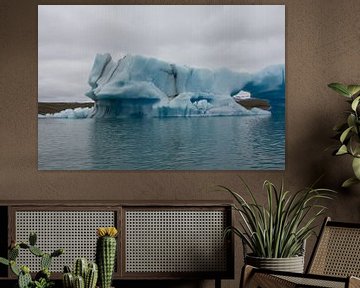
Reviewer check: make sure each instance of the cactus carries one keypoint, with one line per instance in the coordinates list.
(106, 254)
(24, 277)
(91, 276)
(24, 245)
(45, 261)
(13, 253)
(79, 282)
(25, 269)
(90, 272)
(44, 273)
(68, 280)
(42, 278)
(80, 267)
(14, 268)
(36, 251)
(24, 280)
(57, 253)
(32, 238)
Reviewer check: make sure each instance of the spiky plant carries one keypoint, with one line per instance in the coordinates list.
(106, 254)
(279, 229)
(84, 273)
(42, 278)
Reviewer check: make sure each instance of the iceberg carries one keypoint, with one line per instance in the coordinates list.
(77, 113)
(242, 95)
(138, 86)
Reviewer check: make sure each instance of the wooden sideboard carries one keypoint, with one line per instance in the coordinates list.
(157, 240)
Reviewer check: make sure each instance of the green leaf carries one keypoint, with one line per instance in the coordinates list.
(342, 150)
(14, 268)
(354, 145)
(345, 134)
(355, 103)
(356, 167)
(353, 89)
(351, 120)
(340, 88)
(4, 261)
(279, 228)
(349, 182)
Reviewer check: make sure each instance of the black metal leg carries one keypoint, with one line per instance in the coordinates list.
(217, 283)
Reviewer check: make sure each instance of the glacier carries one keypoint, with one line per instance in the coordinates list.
(138, 86)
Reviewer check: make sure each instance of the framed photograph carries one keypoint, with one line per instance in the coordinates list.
(161, 87)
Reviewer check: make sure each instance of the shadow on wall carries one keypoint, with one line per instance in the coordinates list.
(333, 170)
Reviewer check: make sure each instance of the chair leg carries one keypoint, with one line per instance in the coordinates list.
(246, 274)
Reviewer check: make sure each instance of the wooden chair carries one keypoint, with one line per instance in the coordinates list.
(334, 263)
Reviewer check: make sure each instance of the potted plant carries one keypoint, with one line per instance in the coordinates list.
(42, 278)
(84, 274)
(348, 132)
(276, 233)
(106, 254)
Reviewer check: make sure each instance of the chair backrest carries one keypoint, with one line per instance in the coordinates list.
(337, 251)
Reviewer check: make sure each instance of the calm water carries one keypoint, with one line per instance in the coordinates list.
(209, 143)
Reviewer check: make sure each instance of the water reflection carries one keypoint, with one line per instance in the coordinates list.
(212, 143)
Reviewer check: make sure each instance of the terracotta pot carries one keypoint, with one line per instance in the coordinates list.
(291, 264)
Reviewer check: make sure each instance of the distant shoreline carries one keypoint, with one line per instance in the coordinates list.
(54, 107)
(254, 103)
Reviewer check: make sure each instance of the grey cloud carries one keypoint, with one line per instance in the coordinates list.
(242, 38)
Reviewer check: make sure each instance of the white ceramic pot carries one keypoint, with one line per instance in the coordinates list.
(291, 264)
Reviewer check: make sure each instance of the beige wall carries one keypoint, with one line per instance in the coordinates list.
(322, 46)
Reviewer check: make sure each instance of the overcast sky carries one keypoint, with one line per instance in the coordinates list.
(240, 37)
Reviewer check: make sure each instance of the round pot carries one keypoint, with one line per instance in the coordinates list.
(291, 264)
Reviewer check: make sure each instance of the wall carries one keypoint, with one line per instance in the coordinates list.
(322, 46)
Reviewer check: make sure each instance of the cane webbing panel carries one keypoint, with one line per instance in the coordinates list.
(175, 241)
(260, 280)
(75, 231)
(313, 282)
(338, 252)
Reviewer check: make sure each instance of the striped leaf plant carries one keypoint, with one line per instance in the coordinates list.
(279, 228)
